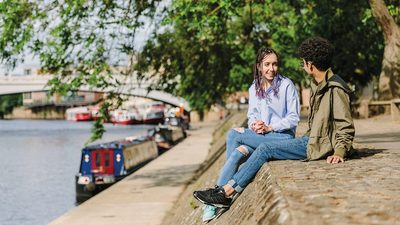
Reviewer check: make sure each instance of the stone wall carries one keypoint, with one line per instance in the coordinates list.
(362, 190)
(50, 113)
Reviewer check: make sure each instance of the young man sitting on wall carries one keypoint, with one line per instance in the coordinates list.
(330, 126)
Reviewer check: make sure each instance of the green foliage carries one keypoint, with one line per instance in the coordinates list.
(200, 50)
(394, 9)
(192, 59)
(8, 102)
(357, 40)
(209, 47)
(15, 28)
(111, 102)
(86, 38)
(188, 55)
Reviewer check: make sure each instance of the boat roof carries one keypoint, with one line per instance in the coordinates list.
(118, 144)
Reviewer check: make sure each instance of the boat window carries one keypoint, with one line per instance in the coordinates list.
(107, 159)
(97, 159)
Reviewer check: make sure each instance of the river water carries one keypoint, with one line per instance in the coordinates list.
(38, 163)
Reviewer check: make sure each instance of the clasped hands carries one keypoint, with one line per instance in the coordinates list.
(260, 127)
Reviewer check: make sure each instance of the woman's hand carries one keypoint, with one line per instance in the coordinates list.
(257, 125)
(260, 127)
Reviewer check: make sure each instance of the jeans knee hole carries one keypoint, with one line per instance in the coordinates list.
(243, 150)
(239, 129)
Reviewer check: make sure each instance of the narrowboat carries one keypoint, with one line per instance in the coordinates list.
(102, 165)
(168, 134)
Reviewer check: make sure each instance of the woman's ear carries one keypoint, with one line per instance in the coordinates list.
(258, 67)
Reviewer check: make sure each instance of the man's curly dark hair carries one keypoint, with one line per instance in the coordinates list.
(318, 51)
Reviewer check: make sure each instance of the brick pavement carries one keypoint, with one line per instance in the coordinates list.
(363, 190)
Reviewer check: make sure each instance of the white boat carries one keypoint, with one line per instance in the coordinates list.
(126, 117)
(152, 112)
(78, 114)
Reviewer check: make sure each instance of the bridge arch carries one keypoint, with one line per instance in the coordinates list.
(16, 88)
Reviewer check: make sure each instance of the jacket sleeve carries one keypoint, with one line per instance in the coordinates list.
(253, 112)
(292, 105)
(343, 122)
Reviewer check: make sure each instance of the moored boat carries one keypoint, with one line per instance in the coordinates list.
(78, 114)
(152, 112)
(126, 117)
(168, 134)
(102, 165)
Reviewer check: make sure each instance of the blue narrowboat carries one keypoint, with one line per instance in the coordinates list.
(104, 164)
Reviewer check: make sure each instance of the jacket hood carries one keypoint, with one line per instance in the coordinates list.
(337, 81)
(333, 80)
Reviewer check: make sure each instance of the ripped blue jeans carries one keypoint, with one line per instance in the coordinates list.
(293, 149)
(240, 143)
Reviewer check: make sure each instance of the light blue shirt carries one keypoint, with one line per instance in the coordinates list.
(282, 112)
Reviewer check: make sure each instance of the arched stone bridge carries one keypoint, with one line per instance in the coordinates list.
(23, 84)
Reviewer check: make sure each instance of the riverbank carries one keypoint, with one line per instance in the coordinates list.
(147, 195)
(363, 190)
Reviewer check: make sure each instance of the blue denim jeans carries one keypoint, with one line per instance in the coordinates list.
(249, 140)
(281, 149)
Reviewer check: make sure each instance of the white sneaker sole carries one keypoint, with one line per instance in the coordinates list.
(209, 203)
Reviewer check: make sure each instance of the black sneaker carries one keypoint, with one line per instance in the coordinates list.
(219, 212)
(213, 196)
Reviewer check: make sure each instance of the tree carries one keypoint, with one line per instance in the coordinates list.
(210, 46)
(200, 50)
(8, 102)
(91, 38)
(389, 81)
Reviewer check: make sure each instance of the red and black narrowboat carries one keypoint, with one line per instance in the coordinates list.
(104, 164)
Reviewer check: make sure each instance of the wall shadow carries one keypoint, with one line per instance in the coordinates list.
(360, 153)
(172, 176)
(381, 138)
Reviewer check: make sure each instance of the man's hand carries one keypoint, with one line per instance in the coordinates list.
(333, 159)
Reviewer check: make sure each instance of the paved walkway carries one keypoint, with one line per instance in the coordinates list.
(363, 190)
(146, 196)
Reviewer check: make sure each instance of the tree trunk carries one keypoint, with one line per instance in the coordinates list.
(389, 80)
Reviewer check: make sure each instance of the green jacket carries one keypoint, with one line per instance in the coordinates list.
(330, 123)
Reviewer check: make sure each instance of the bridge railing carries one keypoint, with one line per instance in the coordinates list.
(33, 79)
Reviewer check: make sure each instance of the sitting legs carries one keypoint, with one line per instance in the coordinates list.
(284, 149)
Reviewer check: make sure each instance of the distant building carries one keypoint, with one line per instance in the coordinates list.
(32, 99)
